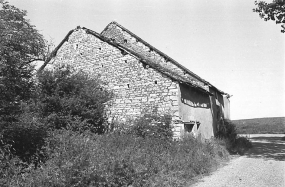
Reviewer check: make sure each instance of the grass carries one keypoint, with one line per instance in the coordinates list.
(118, 159)
(261, 126)
(144, 155)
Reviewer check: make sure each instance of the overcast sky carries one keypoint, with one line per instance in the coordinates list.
(222, 41)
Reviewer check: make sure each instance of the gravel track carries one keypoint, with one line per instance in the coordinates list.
(262, 166)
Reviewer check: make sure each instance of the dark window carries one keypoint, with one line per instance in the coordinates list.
(198, 124)
(188, 127)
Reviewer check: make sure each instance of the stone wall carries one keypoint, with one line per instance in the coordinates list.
(130, 41)
(135, 86)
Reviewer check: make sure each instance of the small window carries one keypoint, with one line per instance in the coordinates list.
(125, 41)
(128, 85)
(188, 127)
(123, 52)
(155, 82)
(198, 124)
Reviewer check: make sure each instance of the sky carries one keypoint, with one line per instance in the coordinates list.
(222, 41)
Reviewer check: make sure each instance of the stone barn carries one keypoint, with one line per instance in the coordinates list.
(141, 76)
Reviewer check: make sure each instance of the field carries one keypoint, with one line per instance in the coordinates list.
(275, 125)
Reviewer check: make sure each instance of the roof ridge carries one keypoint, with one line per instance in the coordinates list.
(163, 54)
(150, 46)
(120, 47)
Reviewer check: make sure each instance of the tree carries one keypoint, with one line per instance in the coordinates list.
(70, 99)
(20, 45)
(274, 11)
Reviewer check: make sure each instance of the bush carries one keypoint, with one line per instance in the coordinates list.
(66, 99)
(234, 144)
(25, 138)
(152, 124)
(61, 99)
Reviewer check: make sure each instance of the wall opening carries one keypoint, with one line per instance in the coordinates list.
(123, 52)
(198, 124)
(155, 82)
(188, 127)
(128, 85)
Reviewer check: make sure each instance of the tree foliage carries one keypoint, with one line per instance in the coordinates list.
(68, 99)
(20, 44)
(274, 11)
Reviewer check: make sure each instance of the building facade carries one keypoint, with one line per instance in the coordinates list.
(140, 76)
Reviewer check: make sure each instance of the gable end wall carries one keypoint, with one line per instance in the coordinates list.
(135, 87)
(130, 42)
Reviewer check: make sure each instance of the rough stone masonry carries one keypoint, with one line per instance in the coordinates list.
(140, 77)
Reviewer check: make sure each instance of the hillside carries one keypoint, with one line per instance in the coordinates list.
(275, 125)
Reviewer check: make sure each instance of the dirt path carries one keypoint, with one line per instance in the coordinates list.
(263, 166)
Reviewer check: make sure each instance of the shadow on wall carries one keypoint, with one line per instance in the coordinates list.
(193, 98)
(267, 148)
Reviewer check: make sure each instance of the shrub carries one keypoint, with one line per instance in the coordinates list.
(235, 144)
(226, 130)
(66, 99)
(116, 159)
(25, 138)
(152, 124)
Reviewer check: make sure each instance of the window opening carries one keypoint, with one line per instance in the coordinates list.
(155, 82)
(188, 127)
(128, 85)
(198, 124)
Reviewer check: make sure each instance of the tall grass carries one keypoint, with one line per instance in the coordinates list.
(118, 159)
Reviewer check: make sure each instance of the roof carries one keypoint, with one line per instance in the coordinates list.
(187, 71)
(171, 74)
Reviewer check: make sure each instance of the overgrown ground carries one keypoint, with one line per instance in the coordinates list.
(261, 126)
(121, 160)
(60, 137)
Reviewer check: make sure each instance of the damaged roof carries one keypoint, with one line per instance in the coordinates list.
(142, 58)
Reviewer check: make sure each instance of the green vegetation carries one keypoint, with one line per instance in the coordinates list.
(261, 126)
